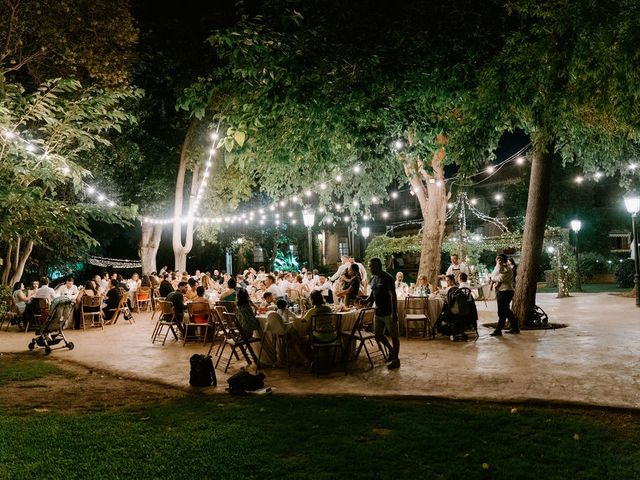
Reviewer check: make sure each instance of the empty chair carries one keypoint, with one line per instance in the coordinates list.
(325, 336)
(167, 322)
(415, 309)
(238, 340)
(361, 333)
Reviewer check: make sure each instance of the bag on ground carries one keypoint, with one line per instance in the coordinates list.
(202, 373)
(243, 382)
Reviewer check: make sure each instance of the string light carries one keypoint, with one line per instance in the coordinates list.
(579, 179)
(490, 169)
(520, 160)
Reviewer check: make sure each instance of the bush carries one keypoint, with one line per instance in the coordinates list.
(625, 272)
(591, 264)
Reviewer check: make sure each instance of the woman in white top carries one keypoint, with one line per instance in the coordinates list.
(502, 280)
(19, 297)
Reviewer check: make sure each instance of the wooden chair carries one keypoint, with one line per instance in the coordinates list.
(328, 325)
(168, 320)
(415, 309)
(90, 310)
(155, 302)
(12, 315)
(143, 298)
(122, 308)
(239, 340)
(231, 307)
(39, 310)
(199, 321)
(359, 335)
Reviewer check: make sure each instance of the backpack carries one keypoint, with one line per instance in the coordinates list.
(202, 373)
(243, 382)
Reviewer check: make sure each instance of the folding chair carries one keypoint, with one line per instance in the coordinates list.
(326, 325)
(415, 309)
(39, 310)
(122, 308)
(199, 315)
(360, 336)
(221, 329)
(238, 340)
(167, 319)
(12, 313)
(156, 299)
(90, 309)
(143, 298)
(231, 307)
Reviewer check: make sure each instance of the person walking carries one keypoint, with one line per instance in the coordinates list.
(383, 293)
(502, 281)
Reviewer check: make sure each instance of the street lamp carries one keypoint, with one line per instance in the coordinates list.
(576, 225)
(309, 218)
(365, 232)
(632, 202)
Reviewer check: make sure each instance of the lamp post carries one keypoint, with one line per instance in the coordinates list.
(309, 218)
(632, 202)
(576, 225)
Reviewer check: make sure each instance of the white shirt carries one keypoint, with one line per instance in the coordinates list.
(47, 292)
(71, 292)
(402, 288)
(464, 285)
(340, 271)
(276, 291)
(456, 270)
(363, 272)
(285, 285)
(324, 288)
(503, 276)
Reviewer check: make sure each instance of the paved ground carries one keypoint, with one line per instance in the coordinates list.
(593, 361)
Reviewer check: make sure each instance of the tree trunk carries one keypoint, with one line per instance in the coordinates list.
(180, 249)
(149, 244)
(533, 238)
(19, 266)
(431, 191)
(7, 264)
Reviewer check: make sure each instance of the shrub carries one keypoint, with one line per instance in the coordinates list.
(624, 273)
(591, 264)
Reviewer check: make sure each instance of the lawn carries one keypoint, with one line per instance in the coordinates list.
(220, 436)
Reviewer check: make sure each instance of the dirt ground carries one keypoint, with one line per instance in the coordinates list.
(76, 389)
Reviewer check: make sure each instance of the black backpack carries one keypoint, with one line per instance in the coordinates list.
(202, 372)
(243, 382)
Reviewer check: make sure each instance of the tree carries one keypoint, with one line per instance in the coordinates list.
(565, 77)
(308, 94)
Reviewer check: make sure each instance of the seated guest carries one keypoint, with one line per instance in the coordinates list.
(324, 286)
(246, 313)
(270, 286)
(146, 281)
(300, 286)
(464, 281)
(177, 300)
(269, 301)
(199, 296)
(35, 285)
(402, 289)
(191, 291)
(45, 291)
(325, 332)
(134, 283)
(165, 286)
(451, 283)
(68, 289)
(288, 317)
(97, 281)
(112, 300)
(19, 297)
(241, 282)
(89, 290)
(229, 295)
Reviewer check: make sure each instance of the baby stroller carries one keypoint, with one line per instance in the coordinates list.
(459, 316)
(51, 331)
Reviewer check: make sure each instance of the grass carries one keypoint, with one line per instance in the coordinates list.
(23, 369)
(590, 288)
(321, 437)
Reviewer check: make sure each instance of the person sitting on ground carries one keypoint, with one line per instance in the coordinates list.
(165, 286)
(112, 300)
(230, 294)
(191, 291)
(45, 291)
(68, 289)
(177, 300)
(89, 290)
(325, 330)
(246, 313)
(19, 297)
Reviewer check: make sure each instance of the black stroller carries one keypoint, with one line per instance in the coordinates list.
(459, 316)
(51, 331)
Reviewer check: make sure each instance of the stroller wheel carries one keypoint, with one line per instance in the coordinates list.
(47, 350)
(31, 345)
(452, 337)
(70, 345)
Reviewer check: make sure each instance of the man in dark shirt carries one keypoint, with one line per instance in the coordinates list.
(165, 286)
(177, 300)
(383, 293)
(112, 300)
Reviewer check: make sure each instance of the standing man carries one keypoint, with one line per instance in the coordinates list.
(502, 278)
(456, 268)
(383, 293)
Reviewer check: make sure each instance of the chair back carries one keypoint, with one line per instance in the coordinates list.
(166, 311)
(199, 312)
(143, 293)
(275, 324)
(368, 316)
(232, 320)
(326, 325)
(230, 307)
(91, 301)
(415, 305)
(40, 305)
